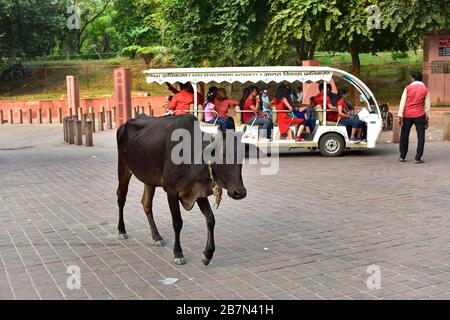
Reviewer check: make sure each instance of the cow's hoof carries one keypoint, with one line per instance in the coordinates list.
(179, 261)
(160, 243)
(205, 260)
(123, 236)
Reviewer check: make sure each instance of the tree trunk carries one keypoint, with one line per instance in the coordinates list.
(106, 42)
(77, 42)
(356, 63)
(356, 68)
(305, 50)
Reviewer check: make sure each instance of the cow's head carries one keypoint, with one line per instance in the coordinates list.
(228, 152)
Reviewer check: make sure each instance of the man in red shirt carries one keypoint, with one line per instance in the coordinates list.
(182, 101)
(414, 109)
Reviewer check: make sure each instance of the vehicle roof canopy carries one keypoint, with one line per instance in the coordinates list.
(257, 74)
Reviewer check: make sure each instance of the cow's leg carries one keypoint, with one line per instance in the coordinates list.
(147, 202)
(203, 203)
(122, 190)
(177, 222)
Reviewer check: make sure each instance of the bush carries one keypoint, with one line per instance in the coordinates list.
(399, 55)
(130, 51)
(12, 70)
(113, 62)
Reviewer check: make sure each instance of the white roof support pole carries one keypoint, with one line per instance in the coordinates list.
(324, 103)
(194, 86)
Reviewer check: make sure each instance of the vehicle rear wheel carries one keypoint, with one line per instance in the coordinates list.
(331, 145)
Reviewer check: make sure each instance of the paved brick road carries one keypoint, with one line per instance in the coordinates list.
(308, 233)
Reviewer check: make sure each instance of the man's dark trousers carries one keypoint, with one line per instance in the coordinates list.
(404, 136)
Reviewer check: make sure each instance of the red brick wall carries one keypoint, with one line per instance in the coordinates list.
(85, 104)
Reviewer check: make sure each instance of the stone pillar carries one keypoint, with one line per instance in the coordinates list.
(79, 135)
(447, 126)
(92, 119)
(89, 129)
(66, 129)
(109, 119)
(83, 123)
(1, 116)
(73, 94)
(71, 132)
(122, 89)
(30, 116)
(40, 115)
(11, 116)
(60, 119)
(100, 121)
(49, 115)
(395, 131)
(20, 116)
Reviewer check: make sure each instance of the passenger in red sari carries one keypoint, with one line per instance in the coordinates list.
(286, 119)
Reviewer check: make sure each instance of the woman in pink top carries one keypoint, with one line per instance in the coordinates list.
(209, 105)
(221, 105)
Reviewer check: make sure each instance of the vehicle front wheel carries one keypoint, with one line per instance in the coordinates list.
(331, 145)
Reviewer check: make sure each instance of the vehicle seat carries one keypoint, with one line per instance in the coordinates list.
(320, 118)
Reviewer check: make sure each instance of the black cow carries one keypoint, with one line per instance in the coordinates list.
(145, 147)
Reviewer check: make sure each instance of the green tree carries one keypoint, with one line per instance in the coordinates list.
(29, 28)
(357, 31)
(90, 12)
(410, 19)
(137, 22)
(240, 26)
(300, 24)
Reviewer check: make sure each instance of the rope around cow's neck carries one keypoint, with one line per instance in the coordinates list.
(217, 190)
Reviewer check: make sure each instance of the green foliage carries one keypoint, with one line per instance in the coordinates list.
(410, 19)
(137, 22)
(12, 70)
(130, 51)
(113, 62)
(295, 21)
(214, 32)
(29, 28)
(399, 55)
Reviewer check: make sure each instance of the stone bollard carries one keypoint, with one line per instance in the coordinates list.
(114, 114)
(89, 133)
(49, 115)
(142, 110)
(83, 124)
(70, 112)
(40, 115)
(11, 116)
(446, 126)
(79, 134)
(150, 111)
(60, 118)
(136, 112)
(103, 114)
(66, 130)
(395, 131)
(100, 121)
(20, 116)
(1, 116)
(70, 130)
(30, 116)
(109, 119)
(92, 119)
